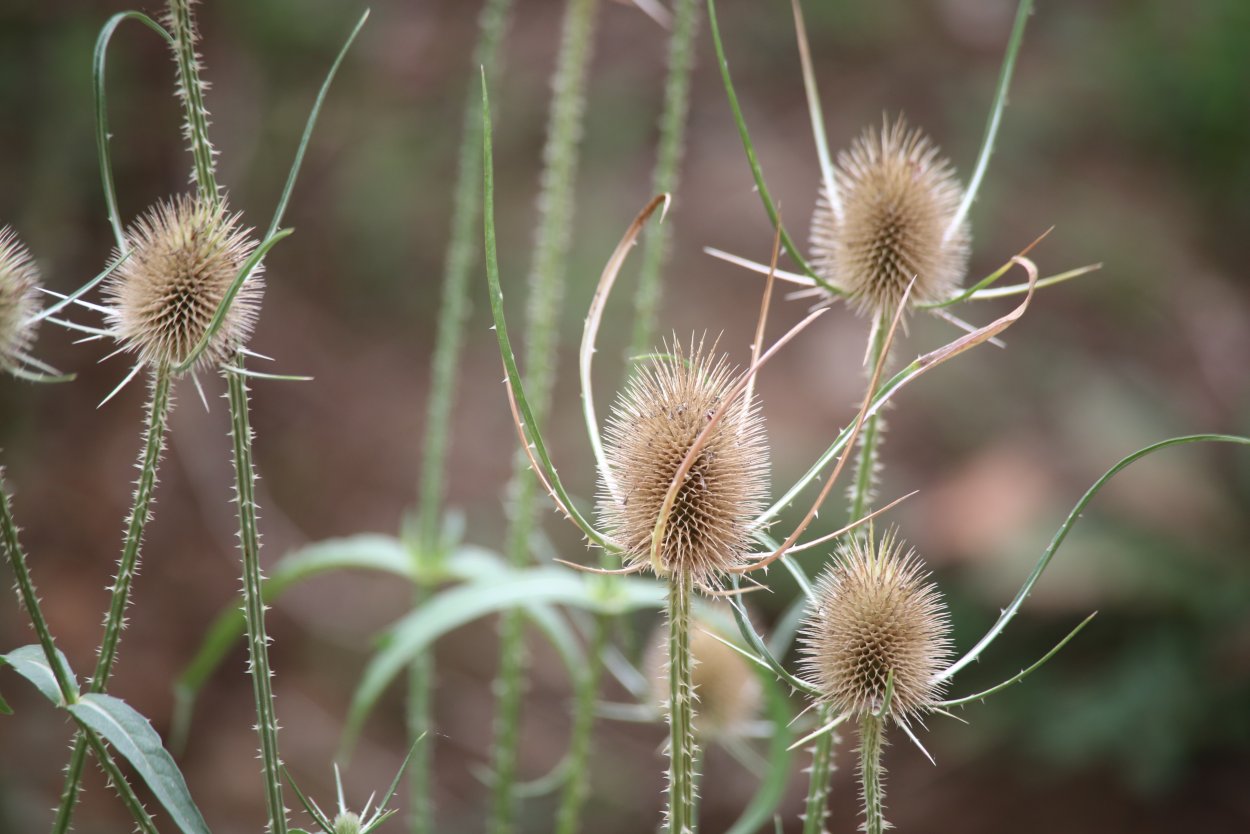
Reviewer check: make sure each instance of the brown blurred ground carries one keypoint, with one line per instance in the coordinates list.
(1127, 131)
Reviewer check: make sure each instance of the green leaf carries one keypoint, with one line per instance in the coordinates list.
(5, 709)
(456, 606)
(31, 663)
(132, 736)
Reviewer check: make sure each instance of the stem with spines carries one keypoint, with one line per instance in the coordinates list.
(461, 255)
(127, 567)
(546, 281)
(29, 599)
(816, 807)
(681, 744)
(191, 91)
(871, 773)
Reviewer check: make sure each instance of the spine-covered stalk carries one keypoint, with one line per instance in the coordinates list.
(127, 567)
(546, 282)
(253, 601)
(667, 174)
(191, 91)
(29, 599)
(454, 308)
(681, 743)
(568, 818)
(816, 808)
(871, 773)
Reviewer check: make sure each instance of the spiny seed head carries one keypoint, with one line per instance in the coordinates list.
(347, 822)
(653, 426)
(876, 613)
(184, 255)
(725, 684)
(19, 298)
(897, 199)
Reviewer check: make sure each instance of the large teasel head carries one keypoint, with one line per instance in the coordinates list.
(183, 256)
(654, 425)
(19, 299)
(890, 221)
(876, 615)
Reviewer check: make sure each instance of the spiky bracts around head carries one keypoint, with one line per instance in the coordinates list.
(184, 255)
(876, 613)
(896, 199)
(653, 426)
(19, 298)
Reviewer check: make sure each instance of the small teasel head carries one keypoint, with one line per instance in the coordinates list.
(183, 256)
(725, 683)
(891, 221)
(347, 822)
(876, 614)
(654, 424)
(19, 298)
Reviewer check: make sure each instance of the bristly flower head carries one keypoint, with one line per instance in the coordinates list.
(184, 255)
(896, 200)
(653, 426)
(19, 298)
(876, 613)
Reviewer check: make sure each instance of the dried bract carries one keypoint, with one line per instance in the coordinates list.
(19, 298)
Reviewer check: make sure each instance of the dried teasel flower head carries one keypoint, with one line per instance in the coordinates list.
(896, 199)
(184, 255)
(653, 426)
(725, 684)
(876, 612)
(19, 298)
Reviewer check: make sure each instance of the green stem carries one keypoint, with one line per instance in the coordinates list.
(191, 91)
(871, 773)
(682, 750)
(546, 281)
(454, 310)
(127, 568)
(866, 461)
(665, 179)
(253, 599)
(816, 809)
(568, 818)
(28, 596)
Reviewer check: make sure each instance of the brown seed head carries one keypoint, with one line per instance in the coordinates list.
(898, 197)
(876, 613)
(184, 255)
(725, 683)
(19, 298)
(653, 426)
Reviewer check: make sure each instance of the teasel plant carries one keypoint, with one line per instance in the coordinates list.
(684, 549)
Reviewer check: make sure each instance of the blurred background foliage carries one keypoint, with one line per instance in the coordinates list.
(1127, 130)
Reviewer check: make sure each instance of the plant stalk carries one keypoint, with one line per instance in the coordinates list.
(816, 809)
(29, 599)
(576, 788)
(682, 750)
(546, 282)
(127, 568)
(253, 599)
(871, 773)
(453, 311)
(191, 91)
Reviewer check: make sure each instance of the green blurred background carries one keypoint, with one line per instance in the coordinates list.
(1128, 130)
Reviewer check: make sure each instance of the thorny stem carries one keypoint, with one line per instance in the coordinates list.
(568, 818)
(816, 808)
(253, 600)
(682, 750)
(871, 773)
(191, 91)
(29, 599)
(546, 281)
(127, 568)
(461, 255)
(665, 179)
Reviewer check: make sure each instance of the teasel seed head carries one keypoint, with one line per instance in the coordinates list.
(19, 298)
(897, 197)
(653, 426)
(725, 684)
(184, 255)
(347, 822)
(876, 612)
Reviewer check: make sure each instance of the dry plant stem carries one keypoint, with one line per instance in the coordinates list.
(29, 599)
(871, 774)
(816, 808)
(667, 175)
(546, 281)
(253, 601)
(128, 566)
(681, 743)
(460, 258)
